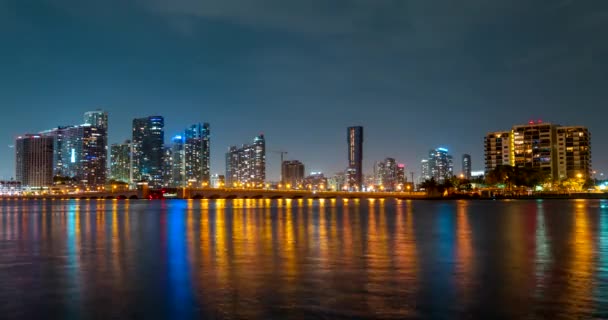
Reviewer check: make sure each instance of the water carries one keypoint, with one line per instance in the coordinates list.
(323, 259)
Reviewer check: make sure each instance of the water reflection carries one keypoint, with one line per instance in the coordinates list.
(261, 259)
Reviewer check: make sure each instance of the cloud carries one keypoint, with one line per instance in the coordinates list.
(428, 21)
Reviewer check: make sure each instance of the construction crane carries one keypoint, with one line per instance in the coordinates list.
(282, 153)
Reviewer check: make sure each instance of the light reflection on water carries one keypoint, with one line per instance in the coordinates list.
(260, 259)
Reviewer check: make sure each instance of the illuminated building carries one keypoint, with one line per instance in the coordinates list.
(573, 152)
(425, 170)
(385, 174)
(97, 118)
(533, 147)
(80, 153)
(10, 188)
(120, 161)
(218, 180)
(197, 154)
(355, 157)
(148, 140)
(337, 182)
(438, 166)
(401, 176)
(315, 181)
(177, 162)
(560, 152)
(351, 179)
(246, 166)
(466, 166)
(93, 165)
(34, 160)
(66, 148)
(292, 172)
(497, 146)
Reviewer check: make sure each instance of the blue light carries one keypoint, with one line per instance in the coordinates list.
(442, 149)
(73, 156)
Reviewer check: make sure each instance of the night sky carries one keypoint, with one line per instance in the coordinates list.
(415, 74)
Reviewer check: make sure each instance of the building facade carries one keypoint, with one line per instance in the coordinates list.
(466, 166)
(197, 154)
(560, 152)
(292, 172)
(148, 153)
(386, 174)
(80, 153)
(497, 149)
(120, 162)
(355, 158)
(34, 160)
(246, 166)
(573, 152)
(177, 154)
(439, 165)
(218, 180)
(316, 181)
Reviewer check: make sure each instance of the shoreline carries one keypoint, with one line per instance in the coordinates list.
(572, 196)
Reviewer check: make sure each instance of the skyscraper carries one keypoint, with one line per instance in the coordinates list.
(178, 163)
(93, 165)
(466, 166)
(386, 174)
(247, 165)
(34, 160)
(425, 170)
(148, 139)
(439, 165)
(80, 153)
(292, 172)
(355, 157)
(120, 162)
(97, 118)
(197, 154)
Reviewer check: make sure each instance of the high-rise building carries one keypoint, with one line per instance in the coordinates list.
(560, 152)
(497, 149)
(95, 147)
(292, 172)
(197, 154)
(439, 165)
(378, 173)
(401, 176)
(178, 163)
(120, 161)
(533, 147)
(355, 157)
(94, 156)
(246, 166)
(385, 174)
(573, 152)
(148, 140)
(66, 146)
(97, 118)
(425, 170)
(466, 166)
(80, 153)
(34, 160)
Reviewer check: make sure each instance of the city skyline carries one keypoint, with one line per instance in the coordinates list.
(411, 83)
